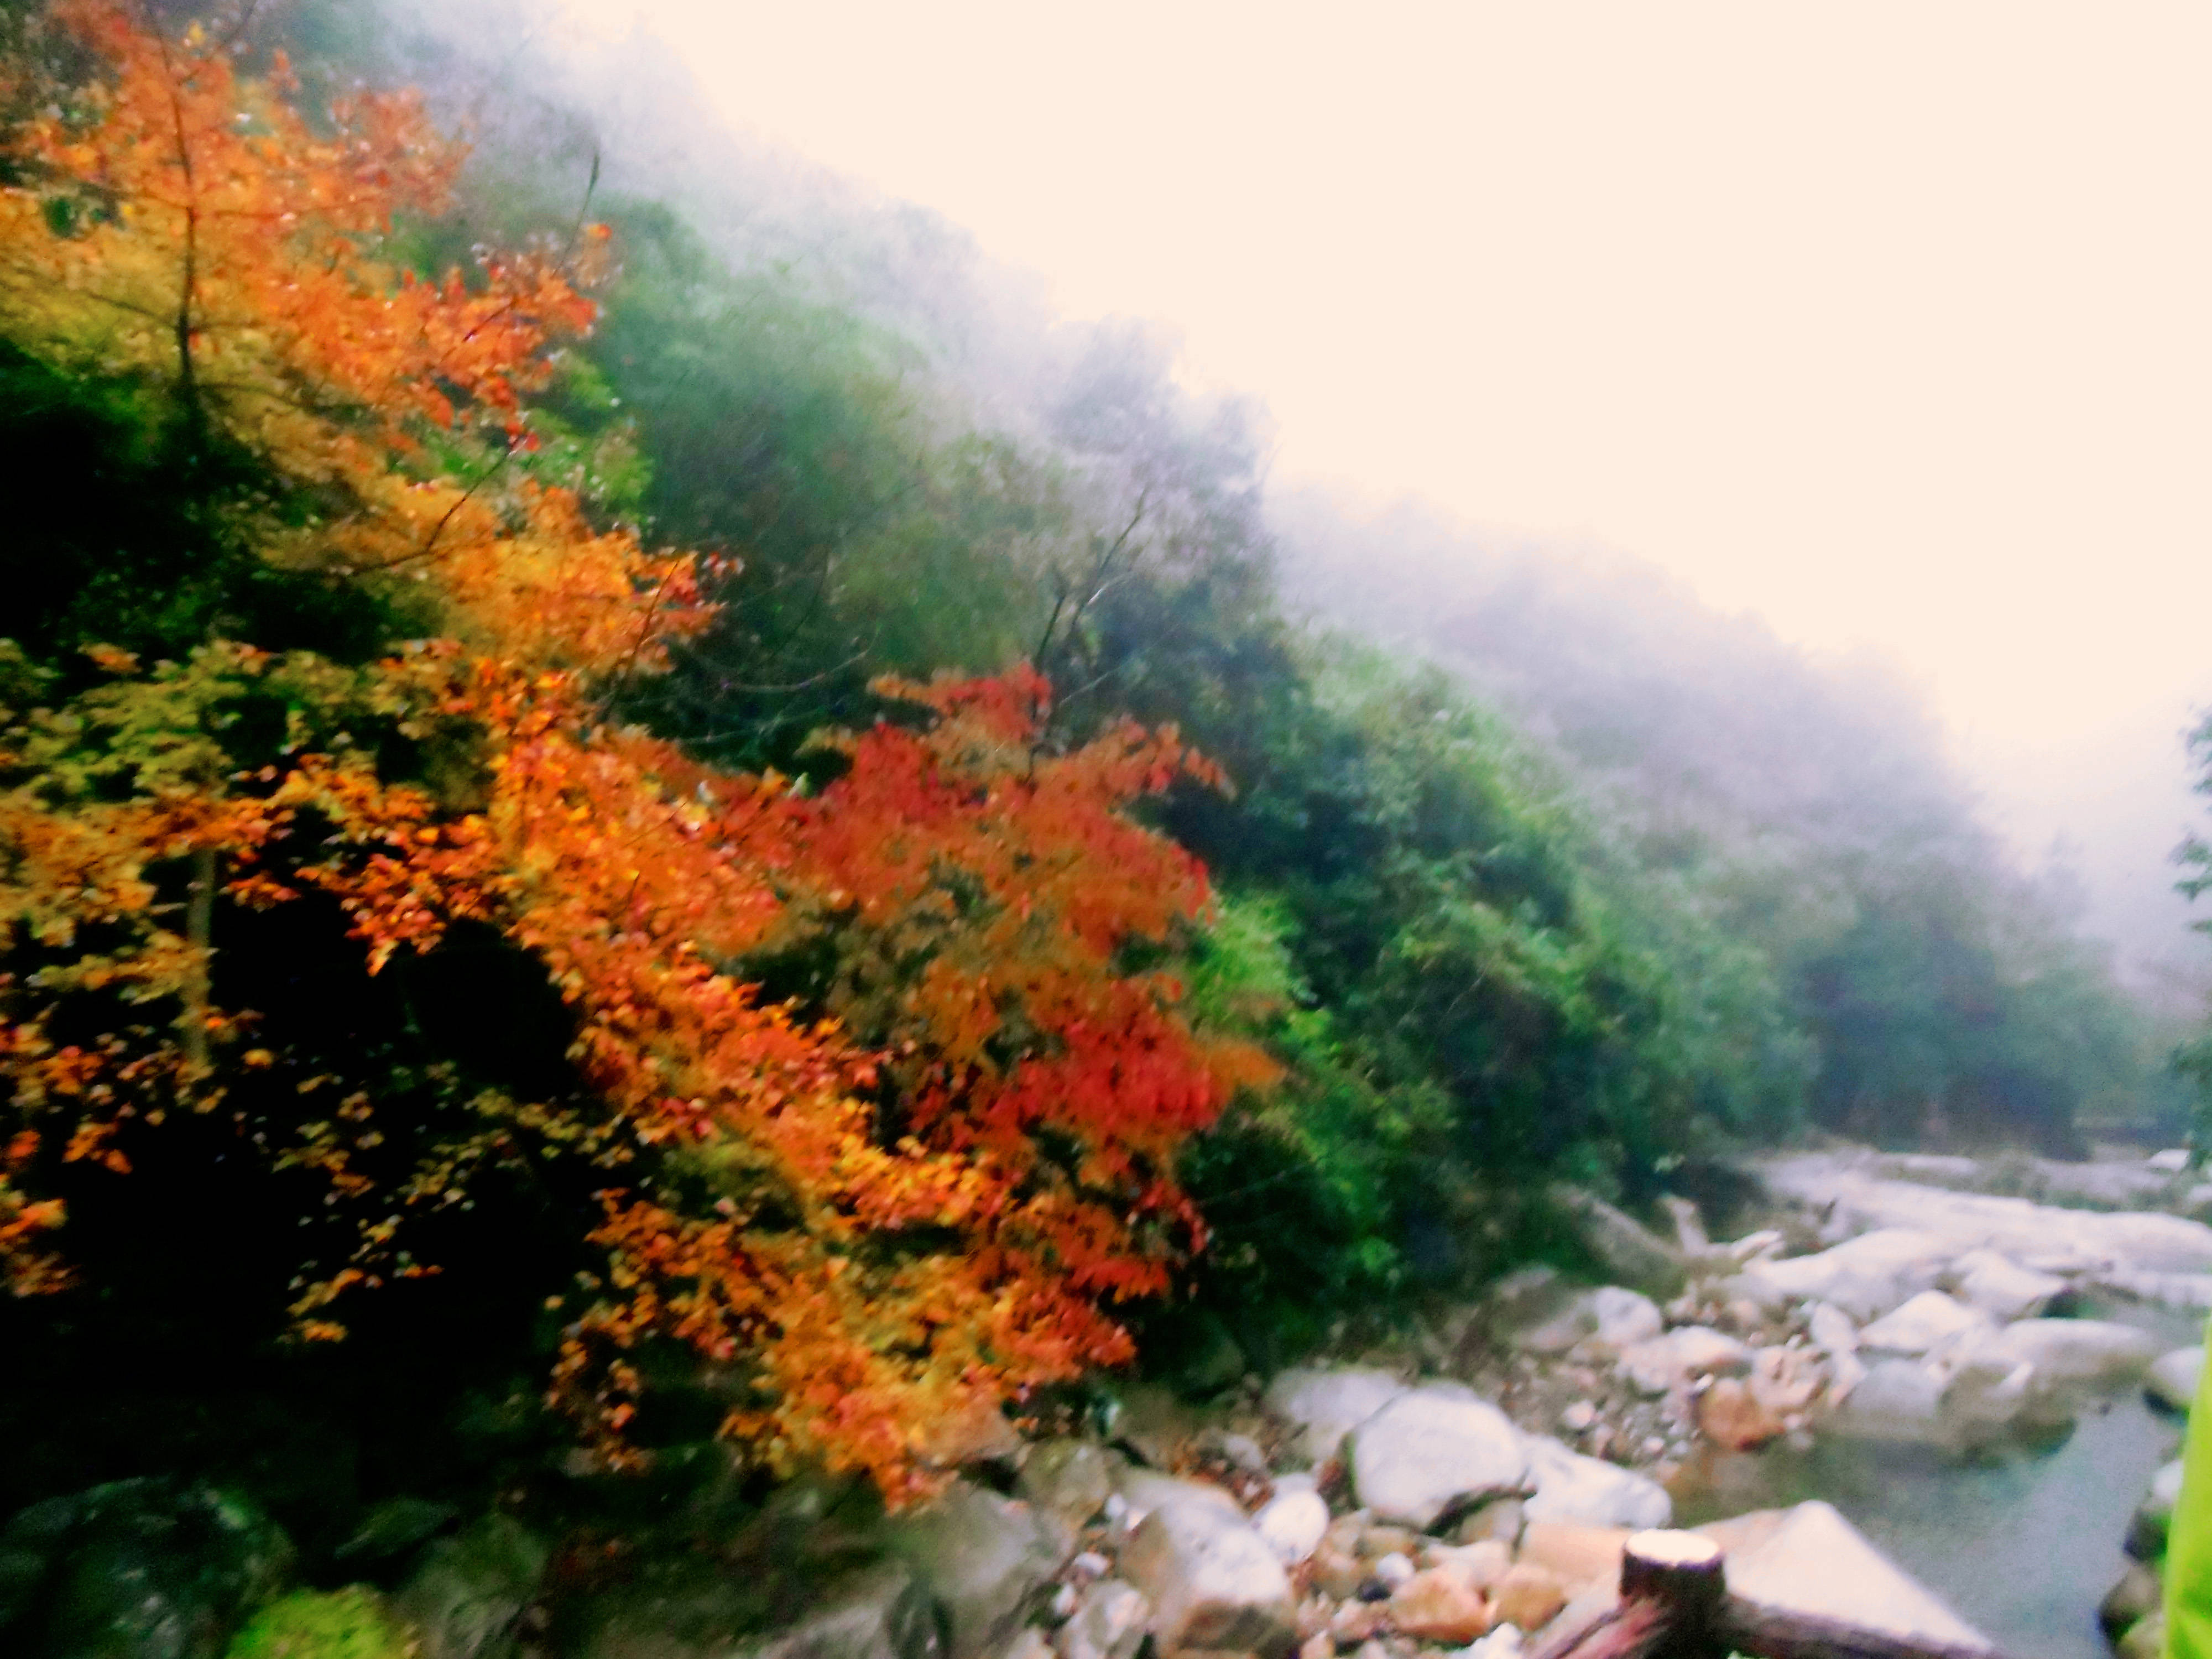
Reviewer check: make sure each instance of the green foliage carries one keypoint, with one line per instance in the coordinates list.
(342, 1623)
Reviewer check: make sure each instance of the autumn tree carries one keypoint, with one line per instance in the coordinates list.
(915, 1182)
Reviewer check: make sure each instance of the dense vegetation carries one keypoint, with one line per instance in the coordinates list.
(614, 840)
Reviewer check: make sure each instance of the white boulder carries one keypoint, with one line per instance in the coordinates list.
(1327, 1405)
(1922, 1324)
(1293, 1522)
(1109, 1623)
(1866, 1276)
(2001, 1288)
(1591, 1491)
(2090, 1353)
(2172, 1378)
(1212, 1582)
(1428, 1449)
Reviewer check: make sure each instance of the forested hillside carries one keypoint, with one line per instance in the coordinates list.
(621, 828)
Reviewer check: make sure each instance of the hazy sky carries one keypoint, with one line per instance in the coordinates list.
(1890, 322)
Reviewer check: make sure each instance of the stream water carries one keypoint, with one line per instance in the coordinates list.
(2023, 1545)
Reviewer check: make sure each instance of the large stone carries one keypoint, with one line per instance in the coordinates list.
(146, 1569)
(1922, 1324)
(984, 1558)
(1327, 1405)
(1623, 1316)
(1681, 1355)
(1815, 1562)
(470, 1588)
(1866, 1276)
(1213, 1581)
(1143, 1491)
(1293, 1522)
(2001, 1288)
(1109, 1623)
(2087, 1353)
(1611, 1316)
(1899, 1401)
(1590, 1490)
(882, 1613)
(2172, 1380)
(1427, 1451)
(1068, 1480)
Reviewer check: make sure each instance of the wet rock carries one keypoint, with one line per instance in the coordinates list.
(1899, 1401)
(1067, 1481)
(145, 1569)
(1590, 1490)
(1143, 1491)
(2145, 1639)
(1327, 1405)
(1729, 1414)
(1866, 1276)
(465, 1597)
(2091, 1353)
(1692, 1350)
(2138, 1595)
(1293, 1523)
(1922, 1324)
(1530, 1596)
(2002, 1288)
(882, 1613)
(1212, 1582)
(2147, 1528)
(1440, 1606)
(1815, 1562)
(1624, 1317)
(1428, 1450)
(2171, 1381)
(1109, 1623)
(984, 1558)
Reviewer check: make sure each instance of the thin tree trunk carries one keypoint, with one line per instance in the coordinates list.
(199, 933)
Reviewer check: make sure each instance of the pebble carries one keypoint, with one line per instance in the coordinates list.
(1089, 1564)
(1579, 1416)
(1063, 1601)
(1117, 1507)
(1393, 1569)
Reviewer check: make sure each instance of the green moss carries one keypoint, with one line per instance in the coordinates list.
(344, 1623)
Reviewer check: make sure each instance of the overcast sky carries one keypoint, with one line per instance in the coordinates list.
(1892, 323)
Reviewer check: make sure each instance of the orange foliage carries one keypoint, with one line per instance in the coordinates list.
(926, 1195)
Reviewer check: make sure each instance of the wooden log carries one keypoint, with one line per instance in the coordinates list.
(1627, 1630)
(1683, 1571)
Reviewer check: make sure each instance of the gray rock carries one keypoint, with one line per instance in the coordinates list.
(1293, 1522)
(1068, 1480)
(471, 1587)
(1327, 1405)
(145, 1569)
(1899, 1401)
(1591, 1491)
(1109, 1623)
(1213, 1581)
(1143, 1491)
(1815, 1562)
(2147, 1528)
(1922, 1324)
(1691, 1350)
(2002, 1288)
(984, 1558)
(1866, 1276)
(1622, 1316)
(2088, 1353)
(2172, 1380)
(1427, 1450)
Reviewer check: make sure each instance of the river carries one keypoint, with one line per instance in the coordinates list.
(2023, 1545)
